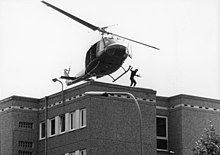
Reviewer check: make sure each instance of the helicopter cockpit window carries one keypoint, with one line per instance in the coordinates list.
(91, 54)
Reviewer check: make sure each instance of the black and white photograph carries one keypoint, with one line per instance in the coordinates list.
(126, 77)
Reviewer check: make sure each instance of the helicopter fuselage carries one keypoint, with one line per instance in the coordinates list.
(106, 56)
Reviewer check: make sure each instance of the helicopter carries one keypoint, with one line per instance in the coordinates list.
(104, 57)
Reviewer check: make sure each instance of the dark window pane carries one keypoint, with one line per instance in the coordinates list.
(43, 130)
(52, 126)
(162, 144)
(83, 118)
(161, 127)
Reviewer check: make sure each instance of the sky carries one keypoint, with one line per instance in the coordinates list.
(37, 43)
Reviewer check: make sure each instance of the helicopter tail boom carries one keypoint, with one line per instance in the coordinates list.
(68, 77)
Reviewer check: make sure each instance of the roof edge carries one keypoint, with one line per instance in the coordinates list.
(182, 96)
(19, 98)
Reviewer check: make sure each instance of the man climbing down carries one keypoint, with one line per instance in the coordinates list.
(133, 74)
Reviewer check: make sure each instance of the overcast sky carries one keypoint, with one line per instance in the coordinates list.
(37, 43)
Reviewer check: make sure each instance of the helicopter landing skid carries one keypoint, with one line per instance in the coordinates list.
(125, 71)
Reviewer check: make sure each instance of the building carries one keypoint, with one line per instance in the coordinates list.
(82, 124)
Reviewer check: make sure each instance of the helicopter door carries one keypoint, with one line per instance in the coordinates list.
(91, 54)
(101, 45)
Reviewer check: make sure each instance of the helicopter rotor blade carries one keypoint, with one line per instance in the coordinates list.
(94, 28)
(133, 40)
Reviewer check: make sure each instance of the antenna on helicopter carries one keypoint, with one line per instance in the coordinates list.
(109, 26)
(104, 28)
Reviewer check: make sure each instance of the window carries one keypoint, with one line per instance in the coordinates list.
(82, 118)
(25, 144)
(25, 152)
(162, 133)
(78, 152)
(73, 120)
(52, 126)
(82, 152)
(26, 125)
(62, 123)
(91, 54)
(42, 130)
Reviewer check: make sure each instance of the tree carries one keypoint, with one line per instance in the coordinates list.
(209, 143)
